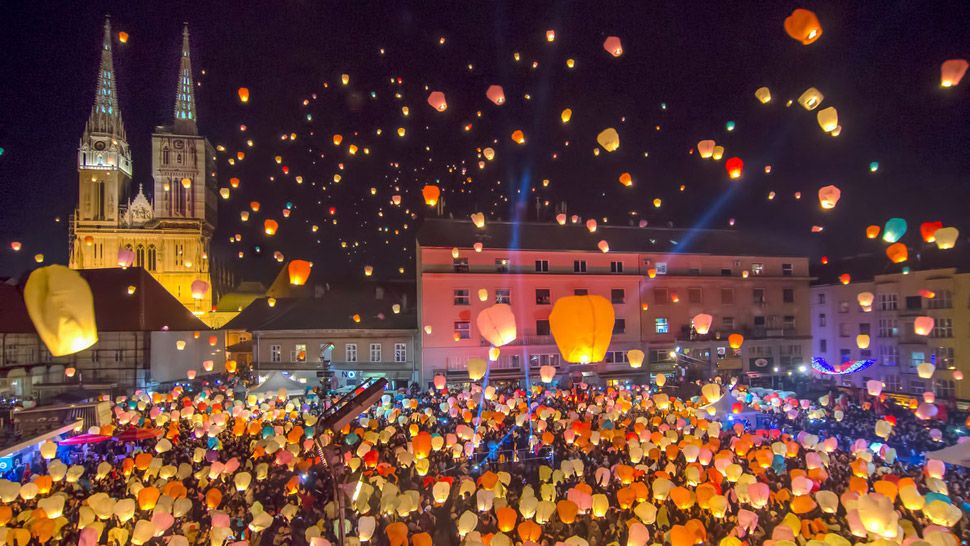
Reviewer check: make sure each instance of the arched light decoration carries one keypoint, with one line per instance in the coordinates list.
(61, 307)
(582, 327)
(497, 324)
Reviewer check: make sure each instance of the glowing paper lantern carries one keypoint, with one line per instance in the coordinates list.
(478, 219)
(476, 368)
(702, 323)
(874, 387)
(810, 99)
(299, 272)
(734, 167)
(199, 289)
(496, 94)
(603, 246)
(803, 26)
(582, 327)
(828, 119)
(872, 232)
(946, 238)
(865, 300)
(894, 229)
(897, 253)
(952, 71)
(735, 341)
(923, 325)
(763, 94)
(828, 196)
(845, 278)
(243, 93)
(862, 341)
(705, 148)
(626, 179)
(437, 101)
(547, 373)
(125, 257)
(431, 193)
(609, 139)
(635, 358)
(270, 226)
(566, 115)
(613, 46)
(925, 370)
(497, 324)
(61, 307)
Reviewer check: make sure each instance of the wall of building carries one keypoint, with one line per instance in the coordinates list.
(168, 363)
(894, 346)
(683, 286)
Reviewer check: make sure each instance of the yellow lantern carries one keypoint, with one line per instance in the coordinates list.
(609, 139)
(865, 300)
(706, 148)
(946, 238)
(925, 370)
(862, 341)
(582, 327)
(635, 358)
(476, 368)
(828, 119)
(811, 98)
(547, 373)
(566, 115)
(763, 94)
(61, 307)
(478, 219)
(718, 153)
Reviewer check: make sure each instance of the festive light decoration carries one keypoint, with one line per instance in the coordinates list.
(820, 365)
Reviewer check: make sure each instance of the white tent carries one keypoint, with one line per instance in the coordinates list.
(958, 454)
(274, 381)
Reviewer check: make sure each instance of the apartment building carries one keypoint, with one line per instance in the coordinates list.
(656, 278)
(898, 299)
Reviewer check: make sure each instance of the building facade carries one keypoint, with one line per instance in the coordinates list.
(169, 238)
(656, 280)
(898, 298)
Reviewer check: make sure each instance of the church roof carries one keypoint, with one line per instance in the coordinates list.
(105, 114)
(150, 308)
(185, 119)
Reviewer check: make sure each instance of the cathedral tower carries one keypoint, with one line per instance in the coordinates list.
(104, 159)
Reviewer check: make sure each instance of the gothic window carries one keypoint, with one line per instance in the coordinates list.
(178, 158)
(152, 258)
(140, 256)
(99, 195)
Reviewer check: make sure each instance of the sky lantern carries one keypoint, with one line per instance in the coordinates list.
(518, 136)
(946, 238)
(16, 246)
(582, 327)
(497, 324)
(661, 379)
(496, 94)
(845, 278)
(763, 94)
(718, 153)
(862, 341)
(897, 253)
(872, 232)
(865, 300)
(591, 225)
(478, 219)
(123, 37)
(828, 196)
(609, 139)
(270, 226)
(431, 194)
(828, 119)
(952, 71)
(437, 101)
(337, 139)
(603, 246)
(199, 289)
(626, 180)
(61, 307)
(125, 257)
(224, 193)
(734, 167)
(368, 270)
(476, 368)
(635, 358)
(927, 230)
(803, 26)
(735, 341)
(243, 94)
(923, 325)
(894, 229)
(874, 387)
(234, 182)
(811, 98)
(489, 153)
(613, 46)
(566, 115)
(561, 219)
(706, 148)
(299, 272)
(180, 345)
(702, 323)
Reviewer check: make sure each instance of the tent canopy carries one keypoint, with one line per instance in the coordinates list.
(957, 454)
(274, 381)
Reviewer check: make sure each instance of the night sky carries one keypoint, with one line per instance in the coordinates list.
(688, 68)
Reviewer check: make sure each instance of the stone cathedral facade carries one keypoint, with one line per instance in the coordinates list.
(114, 223)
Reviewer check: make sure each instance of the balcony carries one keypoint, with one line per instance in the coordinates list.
(522, 340)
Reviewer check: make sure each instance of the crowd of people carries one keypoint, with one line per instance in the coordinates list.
(586, 466)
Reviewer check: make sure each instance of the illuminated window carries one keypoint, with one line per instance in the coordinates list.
(661, 326)
(350, 352)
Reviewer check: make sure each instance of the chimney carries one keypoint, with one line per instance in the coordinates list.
(379, 293)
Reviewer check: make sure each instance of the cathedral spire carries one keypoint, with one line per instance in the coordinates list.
(105, 115)
(185, 117)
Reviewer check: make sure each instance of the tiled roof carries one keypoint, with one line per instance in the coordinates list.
(575, 237)
(150, 308)
(332, 307)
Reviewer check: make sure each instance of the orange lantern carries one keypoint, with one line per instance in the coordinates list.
(431, 194)
(496, 94)
(270, 226)
(582, 327)
(437, 101)
(897, 253)
(845, 278)
(735, 340)
(518, 136)
(952, 71)
(872, 232)
(243, 94)
(803, 25)
(613, 46)
(299, 271)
